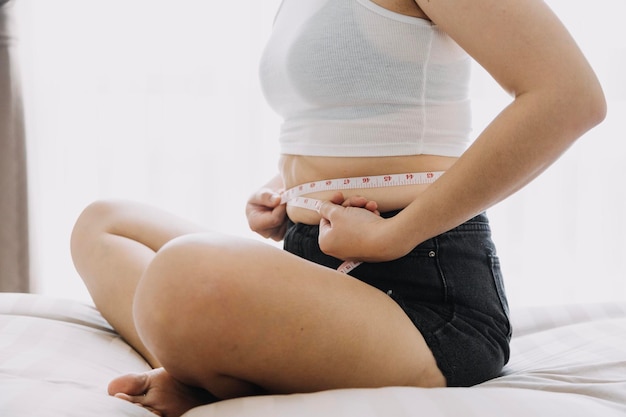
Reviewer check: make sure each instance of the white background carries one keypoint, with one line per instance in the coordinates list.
(158, 101)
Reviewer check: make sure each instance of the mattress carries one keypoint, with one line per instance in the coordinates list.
(57, 356)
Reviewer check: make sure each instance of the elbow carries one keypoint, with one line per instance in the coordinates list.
(573, 105)
(587, 105)
(596, 107)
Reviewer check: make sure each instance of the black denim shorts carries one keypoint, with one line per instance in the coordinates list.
(450, 287)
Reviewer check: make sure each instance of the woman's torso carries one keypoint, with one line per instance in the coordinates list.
(296, 169)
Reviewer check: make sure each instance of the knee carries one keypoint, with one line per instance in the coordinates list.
(186, 290)
(96, 217)
(94, 220)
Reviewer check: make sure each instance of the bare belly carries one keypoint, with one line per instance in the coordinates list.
(296, 170)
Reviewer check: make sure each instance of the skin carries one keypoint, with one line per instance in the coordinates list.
(235, 317)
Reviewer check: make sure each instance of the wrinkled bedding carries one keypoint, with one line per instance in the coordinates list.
(57, 356)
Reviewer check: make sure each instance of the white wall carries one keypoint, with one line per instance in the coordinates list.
(159, 101)
(563, 238)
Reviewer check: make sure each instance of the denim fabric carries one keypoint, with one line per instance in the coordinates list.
(450, 287)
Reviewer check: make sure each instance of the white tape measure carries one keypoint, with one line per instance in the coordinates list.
(296, 196)
(292, 195)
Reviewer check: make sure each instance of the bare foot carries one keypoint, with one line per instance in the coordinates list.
(158, 392)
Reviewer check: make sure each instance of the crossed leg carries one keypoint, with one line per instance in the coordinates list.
(237, 317)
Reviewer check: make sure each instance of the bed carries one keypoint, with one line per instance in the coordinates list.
(57, 356)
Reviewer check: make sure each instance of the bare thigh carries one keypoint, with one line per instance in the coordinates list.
(112, 244)
(227, 314)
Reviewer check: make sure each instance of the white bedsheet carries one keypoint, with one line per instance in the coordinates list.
(57, 356)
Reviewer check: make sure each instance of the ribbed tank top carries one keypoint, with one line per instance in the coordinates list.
(351, 78)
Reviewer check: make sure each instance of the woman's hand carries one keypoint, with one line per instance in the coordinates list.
(352, 230)
(266, 215)
(355, 201)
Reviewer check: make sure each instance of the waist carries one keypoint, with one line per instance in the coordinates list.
(297, 170)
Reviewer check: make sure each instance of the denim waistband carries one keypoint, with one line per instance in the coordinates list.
(479, 222)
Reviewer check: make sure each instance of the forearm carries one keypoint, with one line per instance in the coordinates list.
(526, 138)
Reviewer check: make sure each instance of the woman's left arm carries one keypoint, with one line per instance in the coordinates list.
(527, 50)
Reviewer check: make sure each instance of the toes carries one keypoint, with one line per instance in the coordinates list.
(158, 392)
(130, 385)
(139, 400)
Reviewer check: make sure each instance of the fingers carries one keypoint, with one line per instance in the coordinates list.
(373, 207)
(267, 198)
(264, 197)
(327, 210)
(268, 222)
(277, 233)
(273, 199)
(354, 201)
(338, 198)
(266, 215)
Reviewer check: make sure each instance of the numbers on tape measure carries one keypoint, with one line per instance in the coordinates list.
(378, 181)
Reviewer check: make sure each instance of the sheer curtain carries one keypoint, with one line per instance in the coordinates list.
(159, 102)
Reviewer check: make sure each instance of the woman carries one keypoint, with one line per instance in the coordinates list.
(373, 91)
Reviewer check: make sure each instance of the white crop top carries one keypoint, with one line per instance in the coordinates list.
(351, 78)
